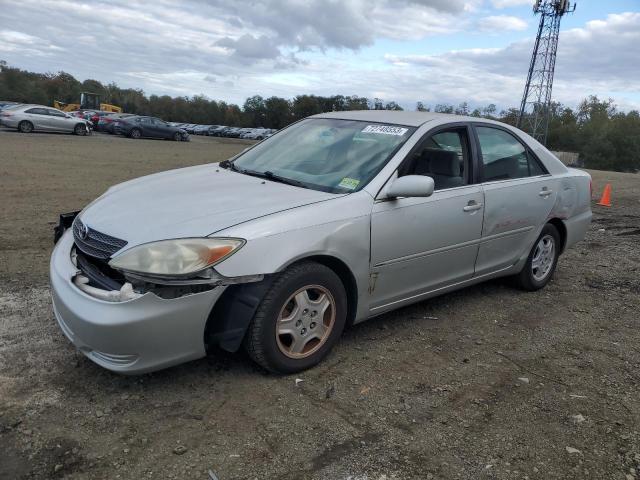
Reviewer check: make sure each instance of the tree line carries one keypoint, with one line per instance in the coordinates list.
(604, 137)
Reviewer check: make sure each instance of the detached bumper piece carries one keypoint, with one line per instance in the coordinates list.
(64, 223)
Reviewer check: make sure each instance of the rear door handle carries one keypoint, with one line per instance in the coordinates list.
(545, 192)
(472, 206)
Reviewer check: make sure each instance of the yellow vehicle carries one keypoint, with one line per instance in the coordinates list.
(88, 101)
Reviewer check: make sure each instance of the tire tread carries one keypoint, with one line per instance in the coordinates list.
(252, 342)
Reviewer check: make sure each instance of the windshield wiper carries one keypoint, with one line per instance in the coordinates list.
(271, 176)
(288, 181)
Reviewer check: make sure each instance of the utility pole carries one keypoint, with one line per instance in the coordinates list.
(535, 108)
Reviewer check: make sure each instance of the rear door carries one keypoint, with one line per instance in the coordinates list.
(39, 117)
(147, 126)
(518, 193)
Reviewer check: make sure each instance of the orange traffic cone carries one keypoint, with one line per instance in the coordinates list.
(605, 200)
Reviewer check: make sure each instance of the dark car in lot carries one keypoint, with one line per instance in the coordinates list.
(149, 127)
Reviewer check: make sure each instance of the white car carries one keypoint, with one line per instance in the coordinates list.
(39, 118)
(333, 220)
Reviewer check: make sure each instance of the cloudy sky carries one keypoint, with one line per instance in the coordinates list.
(432, 51)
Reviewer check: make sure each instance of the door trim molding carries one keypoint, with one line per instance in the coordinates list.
(473, 279)
(457, 246)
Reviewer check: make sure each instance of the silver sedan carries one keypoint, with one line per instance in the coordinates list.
(32, 118)
(338, 218)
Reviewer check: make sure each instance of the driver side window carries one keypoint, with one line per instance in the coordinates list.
(443, 156)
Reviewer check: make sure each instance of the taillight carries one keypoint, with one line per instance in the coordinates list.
(5, 114)
(590, 188)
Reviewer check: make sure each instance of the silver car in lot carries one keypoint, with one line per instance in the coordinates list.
(39, 118)
(336, 219)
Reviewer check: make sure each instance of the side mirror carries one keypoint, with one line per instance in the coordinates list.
(411, 186)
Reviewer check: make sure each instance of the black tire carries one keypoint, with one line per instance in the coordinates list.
(25, 127)
(135, 133)
(80, 129)
(261, 342)
(177, 137)
(527, 279)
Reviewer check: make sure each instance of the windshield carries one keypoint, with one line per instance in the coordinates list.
(337, 156)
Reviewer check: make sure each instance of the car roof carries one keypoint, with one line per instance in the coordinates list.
(398, 117)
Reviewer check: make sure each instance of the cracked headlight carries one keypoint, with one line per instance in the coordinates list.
(180, 257)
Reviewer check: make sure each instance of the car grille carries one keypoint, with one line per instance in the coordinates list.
(94, 243)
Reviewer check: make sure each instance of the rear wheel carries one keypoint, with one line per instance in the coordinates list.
(299, 320)
(542, 260)
(25, 126)
(135, 133)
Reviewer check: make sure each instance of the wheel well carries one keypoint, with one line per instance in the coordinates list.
(562, 230)
(231, 314)
(348, 280)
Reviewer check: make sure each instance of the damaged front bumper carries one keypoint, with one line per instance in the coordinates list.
(133, 333)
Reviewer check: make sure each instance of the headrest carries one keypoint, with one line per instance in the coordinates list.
(442, 162)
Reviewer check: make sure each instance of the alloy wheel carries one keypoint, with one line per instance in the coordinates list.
(543, 258)
(305, 321)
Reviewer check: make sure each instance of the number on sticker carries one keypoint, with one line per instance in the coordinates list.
(385, 130)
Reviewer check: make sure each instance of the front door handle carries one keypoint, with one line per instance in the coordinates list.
(472, 206)
(545, 192)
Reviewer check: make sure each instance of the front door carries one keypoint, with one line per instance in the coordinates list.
(519, 194)
(422, 244)
(59, 122)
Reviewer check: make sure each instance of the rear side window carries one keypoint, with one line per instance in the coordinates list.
(504, 157)
(37, 111)
(55, 113)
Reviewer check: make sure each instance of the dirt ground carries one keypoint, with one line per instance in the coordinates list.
(485, 383)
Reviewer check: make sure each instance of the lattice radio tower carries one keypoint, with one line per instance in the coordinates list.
(535, 108)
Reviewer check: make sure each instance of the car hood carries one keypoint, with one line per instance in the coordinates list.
(190, 202)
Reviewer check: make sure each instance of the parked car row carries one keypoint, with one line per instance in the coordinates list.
(28, 118)
(224, 131)
(128, 124)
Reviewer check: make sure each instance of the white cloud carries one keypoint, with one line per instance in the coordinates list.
(499, 23)
(600, 58)
(511, 3)
(232, 49)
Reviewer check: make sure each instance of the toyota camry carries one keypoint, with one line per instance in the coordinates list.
(333, 220)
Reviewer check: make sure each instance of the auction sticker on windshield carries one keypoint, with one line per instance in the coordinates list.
(385, 130)
(350, 183)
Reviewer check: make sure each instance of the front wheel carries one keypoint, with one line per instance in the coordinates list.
(542, 260)
(177, 137)
(135, 134)
(299, 320)
(80, 129)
